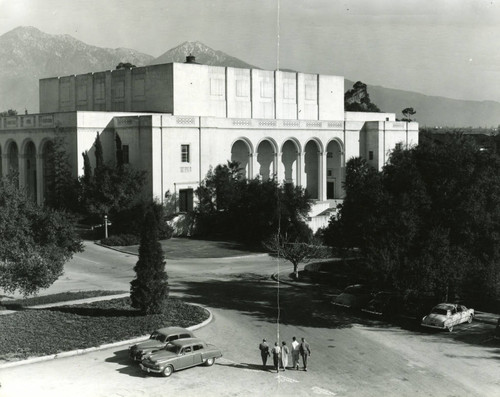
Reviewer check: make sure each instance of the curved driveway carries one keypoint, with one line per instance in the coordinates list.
(350, 356)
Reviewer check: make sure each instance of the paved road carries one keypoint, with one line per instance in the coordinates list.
(351, 356)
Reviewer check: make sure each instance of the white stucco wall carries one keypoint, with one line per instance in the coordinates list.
(307, 96)
(238, 93)
(331, 97)
(286, 95)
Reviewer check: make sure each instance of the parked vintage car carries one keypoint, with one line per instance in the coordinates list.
(386, 304)
(354, 296)
(180, 354)
(447, 315)
(158, 339)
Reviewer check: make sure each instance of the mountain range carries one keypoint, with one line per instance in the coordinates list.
(27, 55)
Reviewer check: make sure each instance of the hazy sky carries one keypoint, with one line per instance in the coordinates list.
(449, 48)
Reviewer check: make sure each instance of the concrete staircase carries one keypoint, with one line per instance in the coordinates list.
(321, 212)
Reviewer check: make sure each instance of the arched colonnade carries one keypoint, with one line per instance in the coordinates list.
(315, 165)
(31, 164)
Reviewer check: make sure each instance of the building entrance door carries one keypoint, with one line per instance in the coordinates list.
(330, 190)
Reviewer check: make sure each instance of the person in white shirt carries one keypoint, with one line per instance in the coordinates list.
(295, 353)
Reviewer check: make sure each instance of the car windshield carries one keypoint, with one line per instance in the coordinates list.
(157, 336)
(439, 310)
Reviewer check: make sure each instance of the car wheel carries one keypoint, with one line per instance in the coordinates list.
(167, 371)
(470, 319)
(209, 362)
(450, 328)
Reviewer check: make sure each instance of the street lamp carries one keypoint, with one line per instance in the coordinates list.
(105, 226)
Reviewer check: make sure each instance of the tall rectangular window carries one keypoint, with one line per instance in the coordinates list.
(185, 154)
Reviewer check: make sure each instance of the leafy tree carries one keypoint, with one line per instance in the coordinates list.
(357, 99)
(227, 201)
(10, 112)
(359, 210)
(407, 113)
(36, 242)
(294, 250)
(429, 222)
(112, 190)
(219, 188)
(125, 65)
(149, 289)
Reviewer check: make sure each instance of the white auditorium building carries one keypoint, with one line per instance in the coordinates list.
(177, 120)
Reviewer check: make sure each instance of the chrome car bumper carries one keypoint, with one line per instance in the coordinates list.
(434, 326)
(147, 369)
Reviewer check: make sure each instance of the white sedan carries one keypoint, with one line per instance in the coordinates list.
(447, 315)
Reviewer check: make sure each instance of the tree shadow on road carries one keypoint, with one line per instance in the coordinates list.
(260, 297)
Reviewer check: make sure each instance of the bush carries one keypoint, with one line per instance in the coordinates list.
(121, 240)
(130, 220)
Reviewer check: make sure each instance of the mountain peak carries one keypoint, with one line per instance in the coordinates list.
(23, 32)
(203, 53)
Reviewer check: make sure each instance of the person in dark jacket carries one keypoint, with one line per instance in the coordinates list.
(305, 352)
(264, 352)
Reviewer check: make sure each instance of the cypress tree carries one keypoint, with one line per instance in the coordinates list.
(149, 289)
(87, 168)
(99, 156)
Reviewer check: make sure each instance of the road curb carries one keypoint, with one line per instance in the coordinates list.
(115, 249)
(78, 352)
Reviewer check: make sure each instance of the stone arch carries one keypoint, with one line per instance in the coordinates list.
(48, 170)
(12, 153)
(312, 167)
(30, 171)
(290, 158)
(334, 169)
(242, 152)
(266, 158)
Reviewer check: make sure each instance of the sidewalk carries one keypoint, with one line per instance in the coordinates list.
(284, 277)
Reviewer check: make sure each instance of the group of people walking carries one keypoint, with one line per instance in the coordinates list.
(281, 353)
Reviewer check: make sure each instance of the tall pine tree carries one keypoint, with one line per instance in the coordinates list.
(149, 289)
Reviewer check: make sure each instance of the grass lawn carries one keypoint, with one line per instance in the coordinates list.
(39, 332)
(15, 304)
(179, 248)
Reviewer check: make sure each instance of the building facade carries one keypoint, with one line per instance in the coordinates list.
(176, 121)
